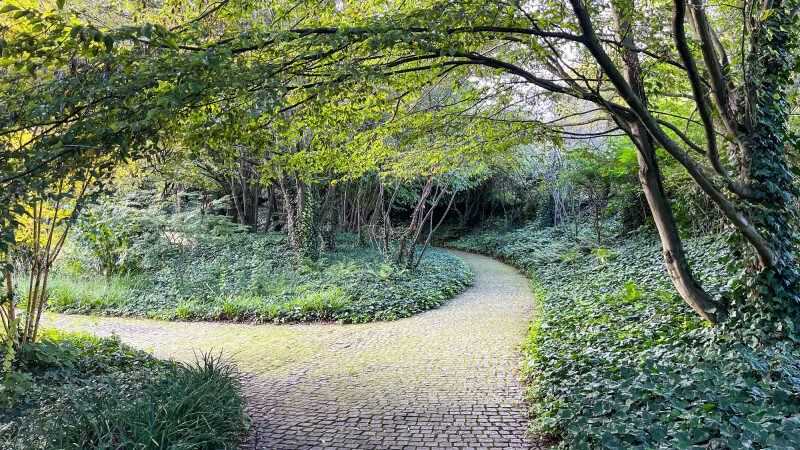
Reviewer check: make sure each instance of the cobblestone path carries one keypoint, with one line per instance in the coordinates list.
(441, 379)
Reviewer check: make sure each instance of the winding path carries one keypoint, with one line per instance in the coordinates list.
(441, 379)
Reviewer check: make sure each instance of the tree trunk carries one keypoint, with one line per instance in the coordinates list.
(11, 312)
(650, 178)
(236, 198)
(674, 256)
(433, 228)
(775, 289)
(178, 207)
(289, 213)
(405, 248)
(328, 219)
(270, 208)
(306, 223)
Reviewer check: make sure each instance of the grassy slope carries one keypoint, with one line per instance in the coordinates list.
(75, 391)
(617, 360)
(256, 278)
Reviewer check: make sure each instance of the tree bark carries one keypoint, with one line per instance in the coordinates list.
(766, 254)
(289, 212)
(674, 256)
(307, 245)
(328, 218)
(405, 248)
(11, 314)
(270, 208)
(650, 178)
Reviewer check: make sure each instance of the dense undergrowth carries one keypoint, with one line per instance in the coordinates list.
(617, 359)
(255, 277)
(77, 391)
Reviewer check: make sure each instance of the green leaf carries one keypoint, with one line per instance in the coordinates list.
(169, 42)
(73, 33)
(8, 8)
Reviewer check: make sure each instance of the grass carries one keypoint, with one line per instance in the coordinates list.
(256, 278)
(77, 391)
(89, 291)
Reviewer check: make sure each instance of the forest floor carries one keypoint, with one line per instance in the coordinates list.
(443, 378)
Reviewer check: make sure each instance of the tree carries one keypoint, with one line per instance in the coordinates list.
(751, 114)
(736, 60)
(47, 221)
(592, 173)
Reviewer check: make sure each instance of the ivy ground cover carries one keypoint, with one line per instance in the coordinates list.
(616, 359)
(256, 278)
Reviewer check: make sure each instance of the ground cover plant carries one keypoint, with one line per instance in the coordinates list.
(77, 391)
(256, 278)
(616, 359)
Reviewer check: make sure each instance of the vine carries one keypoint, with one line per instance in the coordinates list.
(768, 296)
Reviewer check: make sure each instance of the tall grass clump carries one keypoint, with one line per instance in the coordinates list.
(84, 392)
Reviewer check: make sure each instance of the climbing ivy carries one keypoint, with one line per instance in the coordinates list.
(767, 299)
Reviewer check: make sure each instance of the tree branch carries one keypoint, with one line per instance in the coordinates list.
(698, 92)
(764, 251)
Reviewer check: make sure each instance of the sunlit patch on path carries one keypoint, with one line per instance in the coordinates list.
(440, 379)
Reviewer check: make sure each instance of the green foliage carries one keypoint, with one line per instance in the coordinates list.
(254, 277)
(104, 236)
(129, 233)
(767, 299)
(77, 391)
(616, 359)
(90, 291)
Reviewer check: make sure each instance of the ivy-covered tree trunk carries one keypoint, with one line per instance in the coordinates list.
(307, 241)
(752, 112)
(289, 212)
(770, 294)
(328, 218)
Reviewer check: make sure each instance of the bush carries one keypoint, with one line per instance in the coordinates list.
(82, 392)
(617, 359)
(255, 277)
